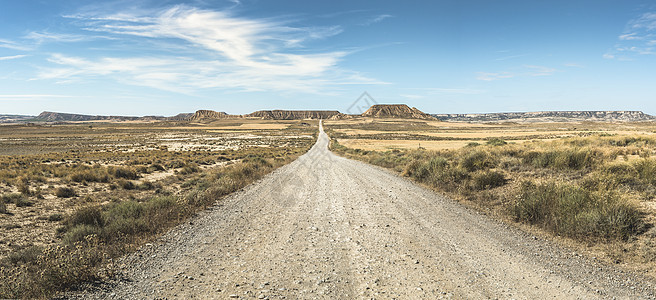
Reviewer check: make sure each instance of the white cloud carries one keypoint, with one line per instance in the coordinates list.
(31, 97)
(489, 76)
(539, 70)
(12, 57)
(638, 38)
(218, 50)
(464, 91)
(376, 19)
(510, 57)
(41, 37)
(574, 65)
(12, 45)
(409, 96)
(525, 70)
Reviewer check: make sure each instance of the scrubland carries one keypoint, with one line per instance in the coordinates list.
(75, 196)
(593, 188)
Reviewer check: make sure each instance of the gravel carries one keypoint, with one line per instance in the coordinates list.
(325, 227)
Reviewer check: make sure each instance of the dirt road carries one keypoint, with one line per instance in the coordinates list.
(325, 227)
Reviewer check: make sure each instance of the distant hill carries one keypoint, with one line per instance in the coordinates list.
(295, 114)
(205, 114)
(396, 111)
(550, 116)
(48, 116)
(15, 118)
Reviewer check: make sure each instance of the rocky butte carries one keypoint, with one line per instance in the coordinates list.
(295, 114)
(396, 111)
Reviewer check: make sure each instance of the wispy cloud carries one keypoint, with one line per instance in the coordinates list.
(12, 57)
(42, 37)
(510, 57)
(462, 91)
(376, 19)
(219, 50)
(12, 45)
(574, 65)
(539, 70)
(523, 71)
(411, 96)
(491, 76)
(31, 97)
(638, 38)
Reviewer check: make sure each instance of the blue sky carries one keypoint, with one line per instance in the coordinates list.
(140, 57)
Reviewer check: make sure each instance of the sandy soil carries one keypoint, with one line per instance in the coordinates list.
(325, 227)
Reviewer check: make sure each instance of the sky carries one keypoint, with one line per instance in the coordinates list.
(163, 57)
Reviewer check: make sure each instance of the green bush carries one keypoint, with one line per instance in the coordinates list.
(573, 211)
(78, 233)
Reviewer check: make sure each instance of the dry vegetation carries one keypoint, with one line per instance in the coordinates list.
(594, 188)
(72, 197)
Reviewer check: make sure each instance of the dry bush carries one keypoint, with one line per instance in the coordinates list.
(576, 212)
(65, 192)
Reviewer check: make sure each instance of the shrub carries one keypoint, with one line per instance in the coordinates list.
(573, 211)
(125, 173)
(189, 169)
(90, 176)
(496, 142)
(126, 184)
(18, 199)
(90, 215)
(65, 192)
(487, 180)
(55, 217)
(78, 233)
(646, 169)
(3, 207)
(562, 159)
(24, 188)
(477, 160)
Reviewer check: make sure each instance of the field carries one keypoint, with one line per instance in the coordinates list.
(589, 185)
(63, 184)
(390, 134)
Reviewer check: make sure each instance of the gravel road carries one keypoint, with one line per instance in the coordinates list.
(325, 227)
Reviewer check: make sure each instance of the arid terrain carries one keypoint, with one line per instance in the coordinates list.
(564, 209)
(325, 227)
(51, 173)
